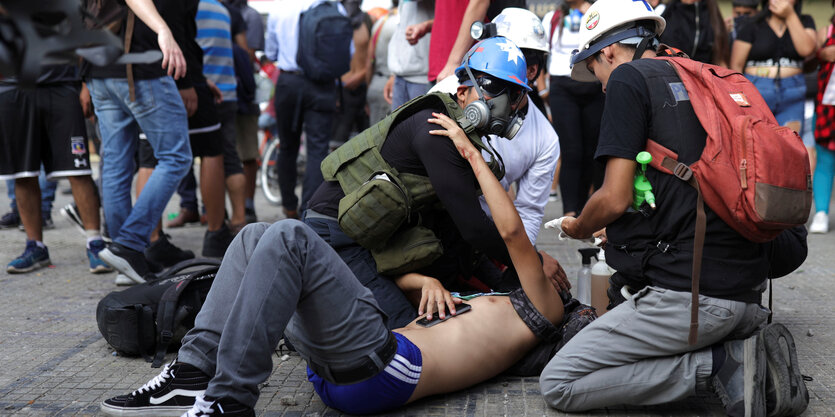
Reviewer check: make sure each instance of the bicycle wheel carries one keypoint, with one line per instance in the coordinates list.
(269, 173)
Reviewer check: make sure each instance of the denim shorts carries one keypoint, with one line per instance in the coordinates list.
(784, 96)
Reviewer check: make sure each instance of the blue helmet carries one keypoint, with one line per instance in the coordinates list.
(498, 57)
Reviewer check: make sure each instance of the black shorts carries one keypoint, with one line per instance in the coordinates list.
(204, 125)
(44, 125)
(204, 131)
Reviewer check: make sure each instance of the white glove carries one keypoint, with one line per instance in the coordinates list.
(557, 224)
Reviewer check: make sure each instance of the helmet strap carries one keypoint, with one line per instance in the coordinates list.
(472, 77)
(642, 47)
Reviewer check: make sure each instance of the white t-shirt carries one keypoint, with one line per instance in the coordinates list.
(530, 160)
(563, 44)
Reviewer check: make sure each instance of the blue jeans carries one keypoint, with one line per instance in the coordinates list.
(404, 91)
(187, 190)
(159, 112)
(784, 97)
(47, 193)
(824, 173)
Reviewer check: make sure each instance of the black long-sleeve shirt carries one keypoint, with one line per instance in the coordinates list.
(410, 148)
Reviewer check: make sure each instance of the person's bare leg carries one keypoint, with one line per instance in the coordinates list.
(250, 173)
(28, 195)
(236, 186)
(213, 190)
(87, 200)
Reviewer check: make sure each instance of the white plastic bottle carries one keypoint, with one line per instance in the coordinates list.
(584, 275)
(600, 274)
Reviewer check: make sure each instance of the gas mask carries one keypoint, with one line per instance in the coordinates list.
(494, 117)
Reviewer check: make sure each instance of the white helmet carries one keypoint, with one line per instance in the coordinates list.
(522, 27)
(611, 21)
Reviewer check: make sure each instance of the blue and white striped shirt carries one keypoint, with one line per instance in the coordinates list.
(214, 35)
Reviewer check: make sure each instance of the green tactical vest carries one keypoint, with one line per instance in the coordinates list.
(379, 203)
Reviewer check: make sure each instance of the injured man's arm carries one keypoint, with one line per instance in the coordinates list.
(283, 280)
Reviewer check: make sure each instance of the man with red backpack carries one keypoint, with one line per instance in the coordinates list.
(679, 252)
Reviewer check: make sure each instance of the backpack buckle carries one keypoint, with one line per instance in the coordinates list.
(683, 172)
(165, 336)
(662, 246)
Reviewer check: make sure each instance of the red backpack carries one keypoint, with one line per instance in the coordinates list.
(752, 172)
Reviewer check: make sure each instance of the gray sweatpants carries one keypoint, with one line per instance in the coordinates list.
(274, 279)
(638, 353)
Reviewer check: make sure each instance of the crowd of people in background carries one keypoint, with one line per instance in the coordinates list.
(398, 53)
(414, 73)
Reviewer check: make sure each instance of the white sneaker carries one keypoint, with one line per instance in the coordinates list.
(820, 223)
(123, 280)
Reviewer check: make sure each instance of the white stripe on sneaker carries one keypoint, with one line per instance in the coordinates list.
(174, 393)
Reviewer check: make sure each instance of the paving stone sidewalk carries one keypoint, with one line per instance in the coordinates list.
(53, 361)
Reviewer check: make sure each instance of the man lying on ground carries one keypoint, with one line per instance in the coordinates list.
(285, 279)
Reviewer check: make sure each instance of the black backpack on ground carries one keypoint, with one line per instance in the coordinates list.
(151, 318)
(324, 42)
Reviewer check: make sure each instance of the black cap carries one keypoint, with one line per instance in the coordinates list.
(746, 3)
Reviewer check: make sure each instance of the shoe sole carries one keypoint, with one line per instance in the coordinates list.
(101, 269)
(755, 374)
(792, 397)
(70, 214)
(123, 281)
(121, 265)
(170, 411)
(34, 266)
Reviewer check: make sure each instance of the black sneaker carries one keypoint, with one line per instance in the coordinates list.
(216, 242)
(205, 406)
(785, 393)
(10, 220)
(129, 262)
(164, 253)
(171, 393)
(740, 382)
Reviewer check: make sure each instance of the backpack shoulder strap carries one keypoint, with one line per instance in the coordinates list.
(666, 161)
(167, 313)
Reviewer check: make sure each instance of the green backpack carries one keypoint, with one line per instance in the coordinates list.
(381, 205)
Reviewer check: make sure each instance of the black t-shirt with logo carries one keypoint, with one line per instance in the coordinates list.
(732, 267)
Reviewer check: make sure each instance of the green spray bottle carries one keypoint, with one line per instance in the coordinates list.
(642, 189)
